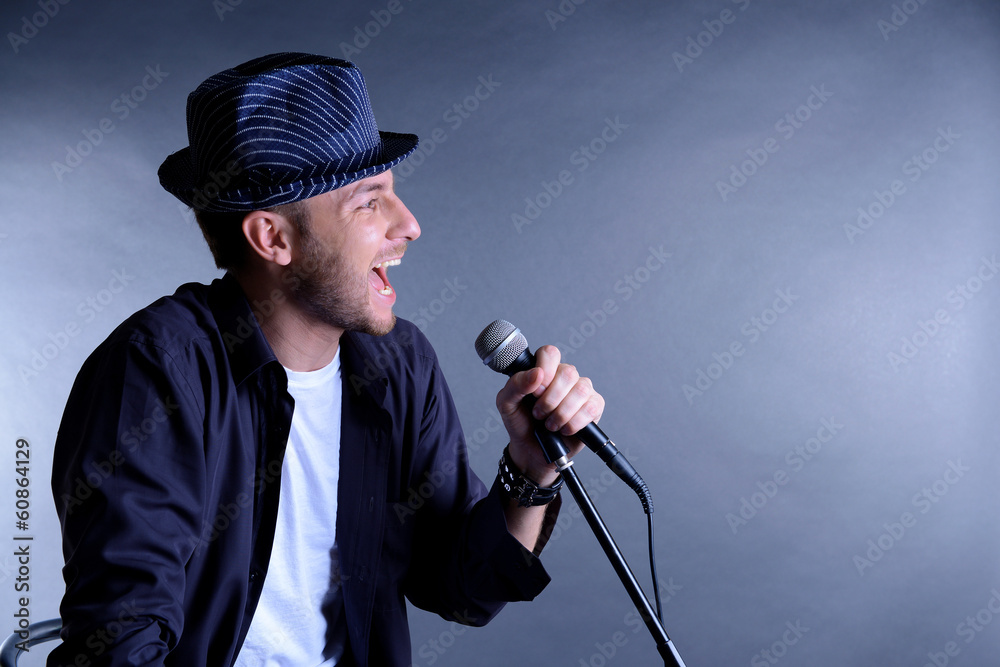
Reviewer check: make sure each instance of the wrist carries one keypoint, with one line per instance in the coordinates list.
(527, 490)
(540, 472)
(544, 477)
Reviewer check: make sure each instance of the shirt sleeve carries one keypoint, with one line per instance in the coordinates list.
(128, 480)
(465, 564)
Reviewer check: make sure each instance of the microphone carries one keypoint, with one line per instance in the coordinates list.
(504, 349)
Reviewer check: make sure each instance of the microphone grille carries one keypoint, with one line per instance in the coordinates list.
(491, 347)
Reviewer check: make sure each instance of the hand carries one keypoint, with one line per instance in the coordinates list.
(565, 403)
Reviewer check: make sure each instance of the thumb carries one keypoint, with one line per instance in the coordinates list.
(517, 388)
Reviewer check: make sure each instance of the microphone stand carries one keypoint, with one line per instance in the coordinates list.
(555, 452)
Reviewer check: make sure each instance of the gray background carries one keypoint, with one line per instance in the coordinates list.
(890, 90)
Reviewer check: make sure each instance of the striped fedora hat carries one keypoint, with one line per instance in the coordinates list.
(278, 129)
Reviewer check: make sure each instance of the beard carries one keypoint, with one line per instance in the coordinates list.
(330, 291)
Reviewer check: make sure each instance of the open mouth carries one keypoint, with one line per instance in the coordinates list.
(378, 278)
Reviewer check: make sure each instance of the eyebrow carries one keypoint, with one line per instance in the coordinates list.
(369, 187)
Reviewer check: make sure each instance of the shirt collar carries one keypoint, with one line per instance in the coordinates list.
(249, 350)
(363, 368)
(246, 346)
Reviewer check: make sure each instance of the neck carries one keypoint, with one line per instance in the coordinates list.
(299, 341)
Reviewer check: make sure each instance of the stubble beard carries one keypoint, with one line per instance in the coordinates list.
(328, 291)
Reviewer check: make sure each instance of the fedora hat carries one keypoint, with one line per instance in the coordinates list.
(278, 129)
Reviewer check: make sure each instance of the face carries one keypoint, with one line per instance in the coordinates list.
(353, 236)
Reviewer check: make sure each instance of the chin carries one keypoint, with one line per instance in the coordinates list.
(383, 327)
(377, 324)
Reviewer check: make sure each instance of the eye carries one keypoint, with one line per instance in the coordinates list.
(369, 204)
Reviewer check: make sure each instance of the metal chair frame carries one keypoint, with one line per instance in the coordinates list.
(42, 631)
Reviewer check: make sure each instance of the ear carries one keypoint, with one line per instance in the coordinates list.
(270, 236)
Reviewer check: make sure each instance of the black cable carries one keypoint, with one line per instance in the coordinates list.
(652, 568)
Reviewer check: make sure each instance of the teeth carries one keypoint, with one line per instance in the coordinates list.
(387, 290)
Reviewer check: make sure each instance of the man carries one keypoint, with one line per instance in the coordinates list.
(258, 471)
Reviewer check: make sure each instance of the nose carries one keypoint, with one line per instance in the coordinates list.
(404, 225)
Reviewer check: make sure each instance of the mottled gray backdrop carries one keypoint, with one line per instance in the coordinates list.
(767, 230)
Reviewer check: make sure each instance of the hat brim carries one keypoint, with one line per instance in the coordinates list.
(177, 176)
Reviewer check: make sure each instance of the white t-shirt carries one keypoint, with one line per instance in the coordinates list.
(302, 587)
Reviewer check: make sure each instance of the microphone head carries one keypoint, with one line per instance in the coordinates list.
(500, 344)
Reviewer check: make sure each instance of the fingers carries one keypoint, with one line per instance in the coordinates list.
(565, 402)
(517, 387)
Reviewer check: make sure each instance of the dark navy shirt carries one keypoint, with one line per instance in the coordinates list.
(166, 475)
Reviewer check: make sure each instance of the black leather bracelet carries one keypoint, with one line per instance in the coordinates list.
(515, 485)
